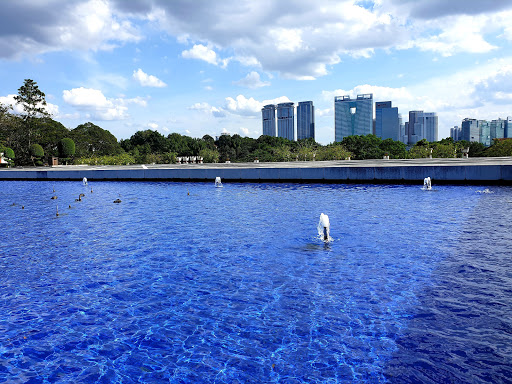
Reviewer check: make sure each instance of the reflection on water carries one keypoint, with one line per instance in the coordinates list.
(181, 283)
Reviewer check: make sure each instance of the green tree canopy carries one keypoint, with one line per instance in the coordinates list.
(363, 147)
(394, 149)
(91, 140)
(32, 99)
(9, 153)
(36, 153)
(500, 148)
(66, 147)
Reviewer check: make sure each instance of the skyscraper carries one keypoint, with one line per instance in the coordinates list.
(353, 116)
(497, 128)
(508, 127)
(268, 114)
(456, 133)
(430, 121)
(387, 121)
(470, 130)
(485, 132)
(422, 125)
(305, 120)
(286, 121)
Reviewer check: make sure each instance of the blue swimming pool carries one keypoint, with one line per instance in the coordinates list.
(188, 283)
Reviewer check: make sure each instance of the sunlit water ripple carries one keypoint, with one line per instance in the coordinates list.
(188, 283)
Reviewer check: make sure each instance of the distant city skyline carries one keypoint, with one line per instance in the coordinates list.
(207, 68)
(482, 131)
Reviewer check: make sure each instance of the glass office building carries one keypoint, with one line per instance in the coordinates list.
(353, 116)
(484, 132)
(422, 125)
(286, 121)
(268, 114)
(470, 130)
(497, 129)
(387, 121)
(305, 120)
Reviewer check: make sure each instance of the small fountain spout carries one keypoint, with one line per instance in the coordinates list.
(218, 182)
(84, 180)
(324, 227)
(427, 183)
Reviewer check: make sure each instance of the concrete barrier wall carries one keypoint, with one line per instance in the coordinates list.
(501, 174)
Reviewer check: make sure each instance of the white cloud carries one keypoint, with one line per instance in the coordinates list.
(309, 40)
(249, 106)
(323, 112)
(33, 27)
(95, 104)
(208, 109)
(287, 39)
(245, 131)
(52, 109)
(252, 80)
(202, 52)
(153, 125)
(462, 34)
(147, 80)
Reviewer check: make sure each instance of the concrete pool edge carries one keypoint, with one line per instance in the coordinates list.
(411, 171)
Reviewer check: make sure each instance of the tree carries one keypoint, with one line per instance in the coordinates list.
(394, 149)
(209, 155)
(48, 134)
(9, 153)
(500, 148)
(36, 153)
(363, 147)
(33, 102)
(443, 150)
(333, 152)
(66, 149)
(209, 141)
(32, 99)
(91, 140)
(156, 141)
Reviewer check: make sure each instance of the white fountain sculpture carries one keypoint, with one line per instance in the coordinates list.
(218, 183)
(324, 227)
(84, 181)
(427, 184)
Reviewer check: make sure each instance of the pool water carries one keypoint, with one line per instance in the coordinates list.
(188, 283)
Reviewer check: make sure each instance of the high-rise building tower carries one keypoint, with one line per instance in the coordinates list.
(305, 120)
(286, 121)
(422, 125)
(353, 116)
(508, 127)
(268, 114)
(470, 130)
(497, 128)
(430, 121)
(485, 132)
(387, 121)
(456, 133)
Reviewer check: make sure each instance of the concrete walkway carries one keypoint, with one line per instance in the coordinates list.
(488, 170)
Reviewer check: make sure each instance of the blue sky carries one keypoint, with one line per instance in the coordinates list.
(208, 67)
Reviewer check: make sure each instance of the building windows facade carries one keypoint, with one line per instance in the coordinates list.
(268, 114)
(305, 120)
(286, 121)
(387, 121)
(353, 116)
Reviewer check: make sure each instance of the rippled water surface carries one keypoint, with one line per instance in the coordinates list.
(188, 283)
